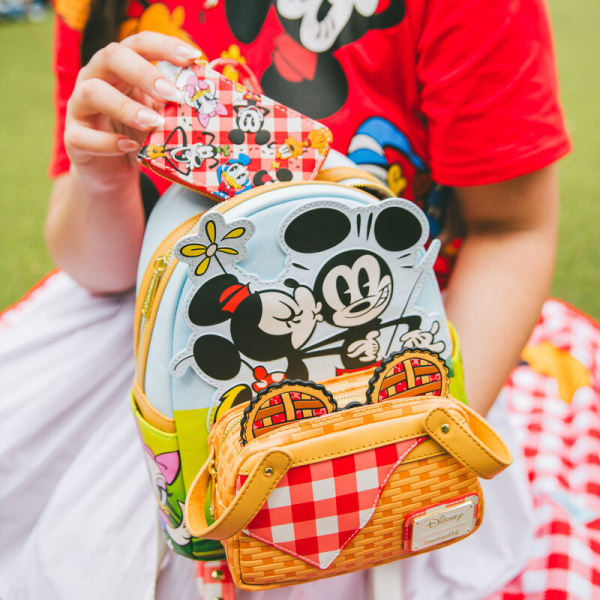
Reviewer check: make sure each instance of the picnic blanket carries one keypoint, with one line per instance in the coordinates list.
(554, 406)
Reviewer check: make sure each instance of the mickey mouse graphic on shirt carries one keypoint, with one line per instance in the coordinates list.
(344, 300)
(303, 56)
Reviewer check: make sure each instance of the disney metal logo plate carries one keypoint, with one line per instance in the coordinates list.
(443, 523)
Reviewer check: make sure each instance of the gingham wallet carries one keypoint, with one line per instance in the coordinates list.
(222, 139)
(387, 468)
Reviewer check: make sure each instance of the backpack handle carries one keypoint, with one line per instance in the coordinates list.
(479, 448)
(254, 493)
(476, 445)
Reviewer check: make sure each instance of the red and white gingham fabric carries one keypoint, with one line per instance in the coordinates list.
(316, 510)
(561, 443)
(281, 122)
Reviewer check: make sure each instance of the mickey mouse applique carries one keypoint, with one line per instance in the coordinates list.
(345, 299)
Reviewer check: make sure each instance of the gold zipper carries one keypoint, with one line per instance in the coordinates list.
(159, 269)
(228, 430)
(343, 401)
(160, 266)
(370, 186)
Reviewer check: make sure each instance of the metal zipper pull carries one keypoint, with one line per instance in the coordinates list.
(160, 265)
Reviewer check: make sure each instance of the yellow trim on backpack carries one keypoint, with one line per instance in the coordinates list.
(150, 414)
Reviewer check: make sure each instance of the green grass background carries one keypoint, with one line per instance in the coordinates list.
(26, 122)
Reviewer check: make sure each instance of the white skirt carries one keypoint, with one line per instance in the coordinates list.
(77, 513)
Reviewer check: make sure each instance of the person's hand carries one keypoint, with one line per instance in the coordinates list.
(114, 105)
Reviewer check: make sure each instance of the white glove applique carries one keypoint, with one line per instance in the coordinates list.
(366, 349)
(423, 339)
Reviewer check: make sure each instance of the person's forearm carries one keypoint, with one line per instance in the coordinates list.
(494, 301)
(95, 234)
(500, 282)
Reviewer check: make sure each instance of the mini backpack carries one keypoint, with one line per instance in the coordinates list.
(298, 389)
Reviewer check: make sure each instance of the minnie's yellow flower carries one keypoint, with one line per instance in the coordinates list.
(212, 249)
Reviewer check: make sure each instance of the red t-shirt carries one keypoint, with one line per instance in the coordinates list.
(426, 93)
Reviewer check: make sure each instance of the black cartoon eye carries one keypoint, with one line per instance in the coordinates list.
(364, 282)
(343, 290)
(317, 230)
(397, 229)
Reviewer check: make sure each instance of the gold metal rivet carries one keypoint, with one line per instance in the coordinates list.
(219, 598)
(212, 468)
(218, 575)
(445, 428)
(269, 472)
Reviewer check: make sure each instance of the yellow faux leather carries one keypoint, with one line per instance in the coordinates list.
(254, 493)
(338, 174)
(357, 439)
(153, 416)
(457, 446)
(478, 448)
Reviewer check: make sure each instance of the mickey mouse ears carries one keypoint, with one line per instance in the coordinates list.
(402, 375)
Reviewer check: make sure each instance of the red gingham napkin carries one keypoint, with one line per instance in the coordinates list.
(316, 510)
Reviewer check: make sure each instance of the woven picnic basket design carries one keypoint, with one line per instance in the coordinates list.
(226, 434)
(428, 475)
(412, 486)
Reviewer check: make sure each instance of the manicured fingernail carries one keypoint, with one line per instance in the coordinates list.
(125, 145)
(185, 51)
(149, 118)
(166, 89)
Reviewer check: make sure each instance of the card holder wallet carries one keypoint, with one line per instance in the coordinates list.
(222, 139)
